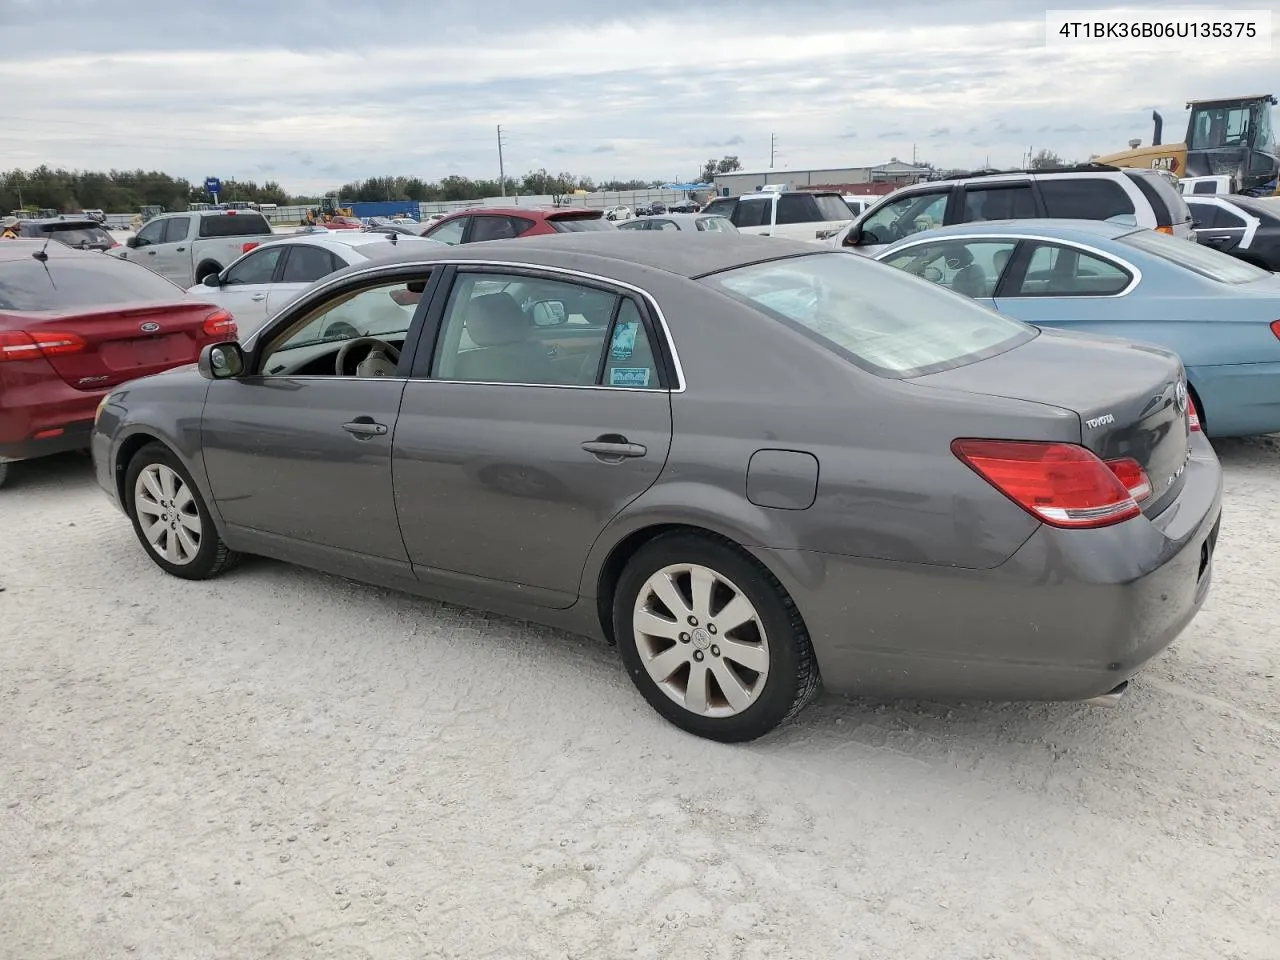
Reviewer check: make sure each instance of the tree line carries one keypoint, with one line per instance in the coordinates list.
(124, 191)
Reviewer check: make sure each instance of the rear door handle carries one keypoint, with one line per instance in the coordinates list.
(181, 249)
(613, 447)
(151, 253)
(363, 428)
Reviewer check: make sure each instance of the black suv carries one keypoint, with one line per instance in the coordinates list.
(83, 233)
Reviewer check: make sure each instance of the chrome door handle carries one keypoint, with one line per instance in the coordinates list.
(364, 429)
(258, 297)
(614, 448)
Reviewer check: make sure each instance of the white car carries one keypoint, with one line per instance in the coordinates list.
(619, 213)
(794, 214)
(266, 278)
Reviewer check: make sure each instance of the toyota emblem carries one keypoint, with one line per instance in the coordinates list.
(151, 327)
(1180, 396)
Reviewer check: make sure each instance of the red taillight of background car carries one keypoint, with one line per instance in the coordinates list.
(246, 247)
(1193, 416)
(219, 326)
(20, 345)
(1275, 328)
(1061, 484)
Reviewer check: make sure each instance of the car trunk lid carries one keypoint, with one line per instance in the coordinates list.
(96, 348)
(1131, 398)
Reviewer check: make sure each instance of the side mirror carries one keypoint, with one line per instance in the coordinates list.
(221, 361)
(132, 242)
(853, 238)
(549, 313)
(213, 280)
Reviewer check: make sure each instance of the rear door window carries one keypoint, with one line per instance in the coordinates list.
(1058, 271)
(797, 208)
(494, 228)
(307, 264)
(1085, 198)
(1012, 202)
(1205, 215)
(753, 212)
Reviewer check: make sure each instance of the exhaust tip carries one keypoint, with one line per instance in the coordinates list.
(1111, 697)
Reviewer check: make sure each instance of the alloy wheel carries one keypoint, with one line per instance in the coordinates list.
(167, 514)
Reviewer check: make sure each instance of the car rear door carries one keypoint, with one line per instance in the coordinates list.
(1221, 226)
(304, 264)
(507, 463)
(245, 286)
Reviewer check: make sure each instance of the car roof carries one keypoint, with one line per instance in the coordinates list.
(11, 250)
(618, 253)
(683, 216)
(1081, 230)
(542, 210)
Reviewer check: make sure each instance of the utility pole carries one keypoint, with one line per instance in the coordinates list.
(502, 175)
(913, 154)
(773, 148)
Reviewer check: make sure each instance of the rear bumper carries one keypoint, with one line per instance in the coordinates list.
(1069, 616)
(43, 416)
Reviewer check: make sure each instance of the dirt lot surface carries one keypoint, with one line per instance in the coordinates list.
(280, 764)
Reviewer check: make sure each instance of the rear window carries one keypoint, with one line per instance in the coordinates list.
(579, 224)
(723, 206)
(72, 234)
(1170, 209)
(235, 225)
(94, 281)
(882, 319)
(1196, 257)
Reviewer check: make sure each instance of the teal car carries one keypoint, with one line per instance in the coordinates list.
(1219, 314)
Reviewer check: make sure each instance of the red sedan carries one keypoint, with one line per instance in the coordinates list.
(73, 325)
(503, 223)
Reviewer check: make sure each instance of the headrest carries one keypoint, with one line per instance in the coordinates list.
(496, 319)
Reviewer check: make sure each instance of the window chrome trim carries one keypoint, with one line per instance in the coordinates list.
(317, 292)
(1133, 271)
(324, 378)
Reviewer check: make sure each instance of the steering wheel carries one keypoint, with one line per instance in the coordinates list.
(380, 361)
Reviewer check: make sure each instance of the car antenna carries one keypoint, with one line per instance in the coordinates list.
(41, 254)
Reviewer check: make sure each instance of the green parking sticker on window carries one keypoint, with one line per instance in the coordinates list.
(624, 341)
(629, 377)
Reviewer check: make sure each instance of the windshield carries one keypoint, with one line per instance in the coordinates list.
(1221, 126)
(96, 280)
(580, 224)
(882, 319)
(1196, 257)
(834, 208)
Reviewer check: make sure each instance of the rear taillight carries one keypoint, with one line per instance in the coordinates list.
(19, 345)
(246, 247)
(1135, 479)
(1062, 484)
(220, 325)
(1193, 416)
(1275, 328)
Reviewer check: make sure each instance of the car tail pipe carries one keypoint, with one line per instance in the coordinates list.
(1111, 697)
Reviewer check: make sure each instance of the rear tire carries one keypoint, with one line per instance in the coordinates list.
(207, 270)
(170, 517)
(711, 639)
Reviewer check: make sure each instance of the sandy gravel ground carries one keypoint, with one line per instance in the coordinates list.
(280, 764)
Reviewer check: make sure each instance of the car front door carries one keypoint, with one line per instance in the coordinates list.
(544, 410)
(300, 456)
(897, 219)
(147, 238)
(171, 258)
(971, 267)
(245, 285)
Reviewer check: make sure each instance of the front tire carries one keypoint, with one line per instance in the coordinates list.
(711, 639)
(170, 517)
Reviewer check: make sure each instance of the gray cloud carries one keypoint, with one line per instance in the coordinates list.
(603, 148)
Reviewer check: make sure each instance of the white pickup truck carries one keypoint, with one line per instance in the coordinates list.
(187, 247)
(796, 214)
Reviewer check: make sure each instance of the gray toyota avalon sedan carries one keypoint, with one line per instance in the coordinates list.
(753, 465)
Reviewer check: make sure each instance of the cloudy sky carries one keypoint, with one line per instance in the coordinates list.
(315, 93)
